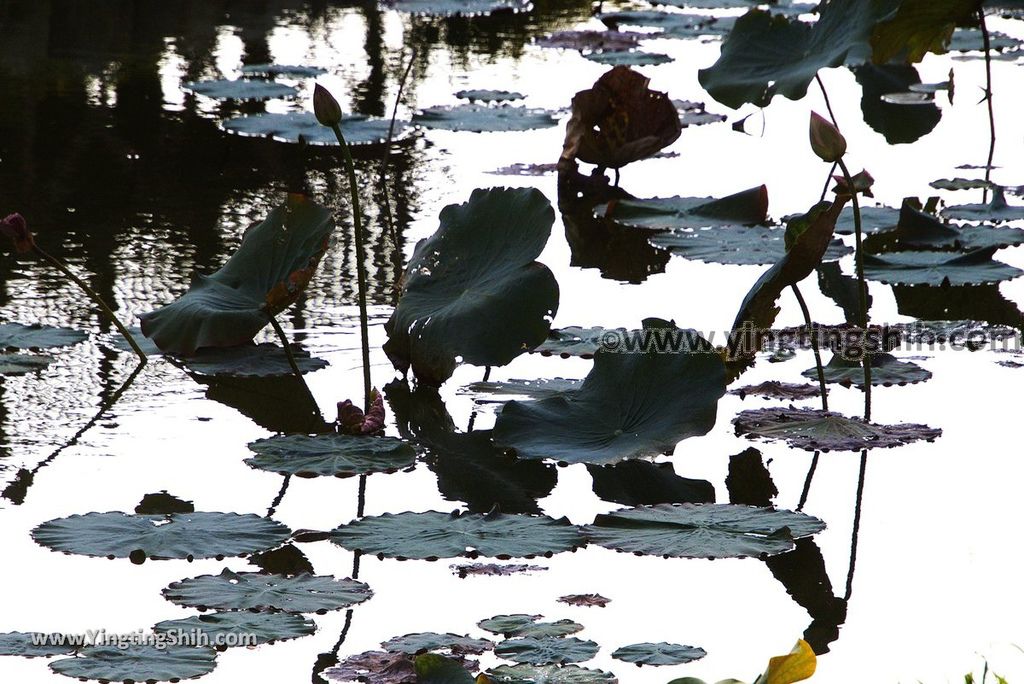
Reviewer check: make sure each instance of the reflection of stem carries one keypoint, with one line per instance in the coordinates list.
(16, 490)
(360, 241)
(856, 523)
(111, 316)
(988, 99)
(287, 347)
(814, 346)
(280, 495)
(396, 255)
(807, 481)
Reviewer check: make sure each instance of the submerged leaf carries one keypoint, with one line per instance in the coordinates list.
(266, 360)
(815, 430)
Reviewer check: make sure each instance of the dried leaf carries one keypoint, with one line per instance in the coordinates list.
(586, 600)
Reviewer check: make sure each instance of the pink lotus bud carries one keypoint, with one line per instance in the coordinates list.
(826, 140)
(15, 227)
(326, 108)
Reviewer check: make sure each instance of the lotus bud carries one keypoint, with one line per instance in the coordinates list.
(326, 108)
(826, 140)
(15, 227)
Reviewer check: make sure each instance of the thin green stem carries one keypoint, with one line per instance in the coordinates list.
(287, 348)
(828, 181)
(814, 345)
(111, 316)
(828, 104)
(360, 241)
(988, 98)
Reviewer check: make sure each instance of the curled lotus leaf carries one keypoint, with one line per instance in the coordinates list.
(660, 653)
(138, 663)
(919, 230)
(738, 245)
(546, 650)
(746, 207)
(815, 430)
(241, 627)
(938, 268)
(432, 535)
(702, 530)
(330, 454)
(303, 593)
(617, 121)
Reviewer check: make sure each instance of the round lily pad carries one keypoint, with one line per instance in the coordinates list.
(659, 654)
(35, 336)
(997, 209)
(886, 369)
(573, 340)
(432, 641)
(179, 535)
(815, 430)
(480, 95)
(546, 650)
(483, 118)
(938, 268)
(432, 535)
(295, 126)
(451, 8)
(282, 70)
(540, 388)
(241, 628)
(34, 644)
(528, 626)
(549, 674)
(251, 361)
(872, 220)
(702, 530)
(20, 364)
(961, 184)
(240, 89)
(628, 58)
(773, 389)
(330, 454)
(255, 591)
(586, 41)
(138, 663)
(740, 245)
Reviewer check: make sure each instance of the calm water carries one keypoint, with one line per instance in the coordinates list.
(131, 181)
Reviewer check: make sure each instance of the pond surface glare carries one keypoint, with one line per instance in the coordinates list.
(133, 182)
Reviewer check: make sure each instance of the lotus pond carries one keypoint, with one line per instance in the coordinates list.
(493, 394)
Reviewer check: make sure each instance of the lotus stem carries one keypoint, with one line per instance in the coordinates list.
(280, 495)
(814, 345)
(110, 315)
(807, 481)
(389, 217)
(287, 348)
(988, 98)
(357, 221)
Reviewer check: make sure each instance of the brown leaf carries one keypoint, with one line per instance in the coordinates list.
(352, 420)
(585, 600)
(494, 569)
(15, 227)
(773, 389)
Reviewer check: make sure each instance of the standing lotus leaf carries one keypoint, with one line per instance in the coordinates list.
(472, 290)
(267, 274)
(617, 121)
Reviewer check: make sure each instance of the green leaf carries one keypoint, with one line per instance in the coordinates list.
(768, 54)
(330, 454)
(432, 641)
(473, 290)
(938, 268)
(34, 644)
(179, 535)
(546, 650)
(432, 668)
(256, 591)
(920, 27)
(432, 535)
(238, 628)
(702, 530)
(138, 663)
(528, 626)
(265, 275)
(814, 430)
(549, 674)
(661, 653)
(631, 405)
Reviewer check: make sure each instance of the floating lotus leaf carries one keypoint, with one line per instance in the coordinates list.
(636, 483)
(617, 121)
(968, 39)
(180, 535)
(701, 530)
(377, 667)
(20, 364)
(928, 87)
(234, 628)
(472, 291)
(631, 405)
(919, 230)
(661, 653)
(484, 118)
(872, 220)
(441, 535)
(628, 58)
(528, 626)
(35, 336)
(296, 127)
(264, 360)
(897, 123)
(938, 268)
(494, 569)
(996, 210)
(240, 89)
(961, 184)
(585, 41)
(747, 207)
(739, 245)
(886, 369)
(920, 27)
(451, 8)
(33, 645)
(256, 591)
(908, 99)
(330, 454)
(549, 674)
(541, 388)
(432, 641)
(573, 340)
(546, 650)
(521, 169)
(282, 70)
(138, 663)
(585, 600)
(773, 389)
(815, 430)
(489, 95)
(671, 24)
(267, 273)
(768, 54)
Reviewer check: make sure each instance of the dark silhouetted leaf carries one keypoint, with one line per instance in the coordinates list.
(489, 95)
(36, 336)
(162, 503)
(899, 124)
(773, 389)
(636, 483)
(920, 27)
(264, 360)
(295, 127)
(240, 89)
(585, 600)
(484, 118)
(938, 268)
(747, 207)
(920, 230)
(815, 430)
(495, 569)
(996, 210)
(432, 668)
(256, 591)
(541, 388)
(739, 245)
